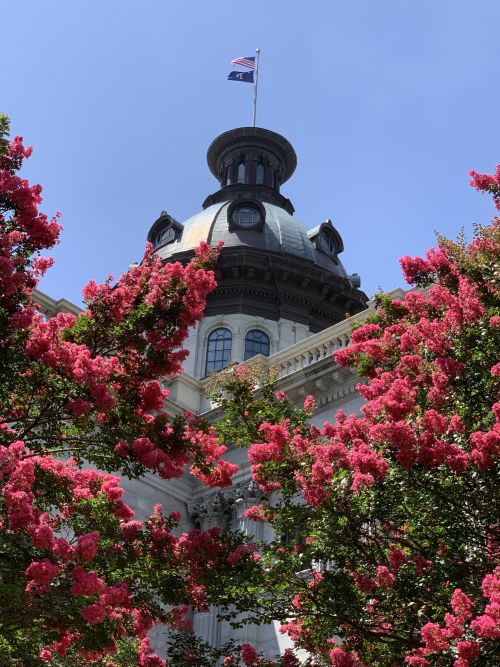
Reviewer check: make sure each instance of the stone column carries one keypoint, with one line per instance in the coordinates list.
(247, 495)
(223, 509)
(214, 511)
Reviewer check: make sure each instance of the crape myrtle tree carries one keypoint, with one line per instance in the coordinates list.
(387, 551)
(81, 580)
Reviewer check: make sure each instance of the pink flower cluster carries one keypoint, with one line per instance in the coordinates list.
(430, 428)
(420, 347)
(24, 232)
(487, 183)
(112, 356)
(100, 374)
(317, 458)
(207, 451)
(463, 633)
(341, 658)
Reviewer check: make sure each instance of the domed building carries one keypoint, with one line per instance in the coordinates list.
(277, 281)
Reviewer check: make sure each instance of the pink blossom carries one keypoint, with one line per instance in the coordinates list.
(62, 645)
(434, 637)
(309, 403)
(238, 553)
(487, 183)
(249, 655)
(384, 578)
(454, 626)
(41, 572)
(461, 604)
(78, 407)
(94, 614)
(85, 583)
(486, 627)
(255, 513)
(42, 536)
(152, 396)
(414, 269)
(416, 659)
(178, 618)
(341, 658)
(86, 547)
(147, 657)
(130, 530)
(396, 558)
(469, 650)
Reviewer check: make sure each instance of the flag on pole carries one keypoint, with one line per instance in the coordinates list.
(245, 77)
(245, 62)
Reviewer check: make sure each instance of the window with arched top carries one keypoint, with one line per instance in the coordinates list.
(256, 342)
(327, 243)
(259, 174)
(218, 350)
(240, 175)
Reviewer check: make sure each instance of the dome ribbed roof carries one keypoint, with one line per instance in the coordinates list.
(282, 234)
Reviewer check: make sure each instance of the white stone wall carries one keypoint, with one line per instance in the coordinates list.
(350, 406)
(282, 333)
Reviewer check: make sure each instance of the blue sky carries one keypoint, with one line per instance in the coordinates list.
(388, 105)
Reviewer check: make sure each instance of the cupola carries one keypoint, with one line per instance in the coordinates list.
(271, 265)
(252, 162)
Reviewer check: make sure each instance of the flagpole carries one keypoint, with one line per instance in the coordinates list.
(257, 51)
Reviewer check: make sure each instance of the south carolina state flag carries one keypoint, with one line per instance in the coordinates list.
(245, 77)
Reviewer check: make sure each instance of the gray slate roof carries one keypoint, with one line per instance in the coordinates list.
(282, 234)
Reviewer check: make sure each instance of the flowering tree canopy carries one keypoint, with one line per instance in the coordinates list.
(82, 581)
(387, 523)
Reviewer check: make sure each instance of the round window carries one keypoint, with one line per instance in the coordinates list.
(246, 216)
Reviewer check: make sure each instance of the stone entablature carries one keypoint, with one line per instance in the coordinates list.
(51, 307)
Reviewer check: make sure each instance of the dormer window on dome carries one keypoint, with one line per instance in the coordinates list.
(327, 239)
(164, 231)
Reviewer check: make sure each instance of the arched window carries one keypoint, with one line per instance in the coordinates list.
(218, 350)
(166, 234)
(240, 177)
(228, 176)
(327, 243)
(259, 174)
(256, 342)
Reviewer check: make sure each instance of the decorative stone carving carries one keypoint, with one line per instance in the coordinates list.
(219, 508)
